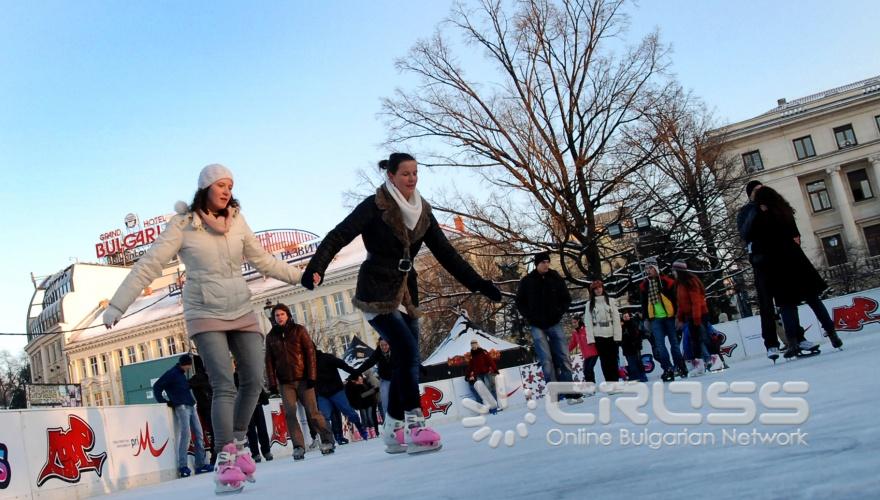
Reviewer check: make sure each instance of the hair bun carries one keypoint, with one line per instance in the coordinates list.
(383, 164)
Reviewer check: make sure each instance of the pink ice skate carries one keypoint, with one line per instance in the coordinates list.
(229, 477)
(392, 436)
(419, 437)
(245, 461)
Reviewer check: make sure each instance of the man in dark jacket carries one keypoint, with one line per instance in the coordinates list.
(658, 309)
(178, 396)
(381, 358)
(331, 392)
(542, 298)
(291, 364)
(745, 219)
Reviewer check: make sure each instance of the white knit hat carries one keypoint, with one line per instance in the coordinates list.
(213, 173)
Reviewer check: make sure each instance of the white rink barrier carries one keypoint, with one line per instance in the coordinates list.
(856, 312)
(84, 452)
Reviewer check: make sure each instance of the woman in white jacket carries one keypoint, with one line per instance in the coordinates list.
(602, 320)
(212, 239)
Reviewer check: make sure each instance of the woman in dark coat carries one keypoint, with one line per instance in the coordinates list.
(791, 277)
(393, 224)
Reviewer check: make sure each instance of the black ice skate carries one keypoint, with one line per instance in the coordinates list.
(835, 339)
(803, 350)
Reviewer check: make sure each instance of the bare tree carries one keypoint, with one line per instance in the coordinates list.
(549, 136)
(14, 374)
(688, 185)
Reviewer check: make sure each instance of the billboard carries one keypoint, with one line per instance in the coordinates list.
(53, 395)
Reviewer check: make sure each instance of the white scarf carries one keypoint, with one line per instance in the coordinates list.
(410, 209)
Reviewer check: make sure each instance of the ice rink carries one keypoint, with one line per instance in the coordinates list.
(834, 454)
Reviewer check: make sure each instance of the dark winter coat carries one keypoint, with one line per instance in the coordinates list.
(364, 395)
(381, 285)
(481, 362)
(631, 342)
(791, 277)
(380, 359)
(329, 381)
(290, 355)
(543, 298)
(176, 386)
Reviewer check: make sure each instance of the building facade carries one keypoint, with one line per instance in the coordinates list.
(822, 153)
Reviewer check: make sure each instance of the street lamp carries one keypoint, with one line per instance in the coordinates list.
(267, 309)
(615, 230)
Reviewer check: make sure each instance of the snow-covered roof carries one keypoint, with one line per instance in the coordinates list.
(162, 304)
(459, 342)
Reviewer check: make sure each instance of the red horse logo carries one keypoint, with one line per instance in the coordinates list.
(279, 427)
(145, 442)
(68, 453)
(853, 318)
(430, 399)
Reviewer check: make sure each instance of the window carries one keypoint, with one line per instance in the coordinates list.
(877, 120)
(132, 356)
(339, 302)
(326, 301)
(845, 136)
(293, 314)
(172, 345)
(121, 357)
(82, 370)
(835, 254)
(872, 238)
(104, 363)
(819, 198)
(99, 399)
(144, 351)
(752, 161)
(93, 364)
(160, 349)
(306, 313)
(803, 147)
(859, 185)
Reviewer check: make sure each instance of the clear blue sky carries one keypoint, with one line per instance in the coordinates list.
(112, 107)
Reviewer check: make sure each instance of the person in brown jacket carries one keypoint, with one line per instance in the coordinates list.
(291, 365)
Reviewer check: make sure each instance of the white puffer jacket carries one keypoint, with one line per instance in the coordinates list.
(606, 311)
(215, 287)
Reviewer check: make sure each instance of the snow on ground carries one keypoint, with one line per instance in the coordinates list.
(840, 459)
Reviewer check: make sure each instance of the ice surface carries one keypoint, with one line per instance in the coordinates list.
(840, 460)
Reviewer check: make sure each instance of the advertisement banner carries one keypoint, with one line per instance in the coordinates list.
(439, 400)
(140, 440)
(14, 471)
(67, 448)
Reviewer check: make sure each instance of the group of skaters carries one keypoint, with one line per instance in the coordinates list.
(211, 238)
(673, 312)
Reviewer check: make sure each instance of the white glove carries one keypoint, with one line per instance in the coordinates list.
(111, 316)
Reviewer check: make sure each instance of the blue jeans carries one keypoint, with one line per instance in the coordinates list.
(186, 424)
(326, 404)
(635, 370)
(384, 389)
(665, 329)
(552, 352)
(401, 331)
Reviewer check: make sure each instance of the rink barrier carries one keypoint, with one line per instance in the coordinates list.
(73, 453)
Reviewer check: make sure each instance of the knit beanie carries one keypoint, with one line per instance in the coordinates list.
(680, 264)
(213, 173)
(541, 257)
(185, 360)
